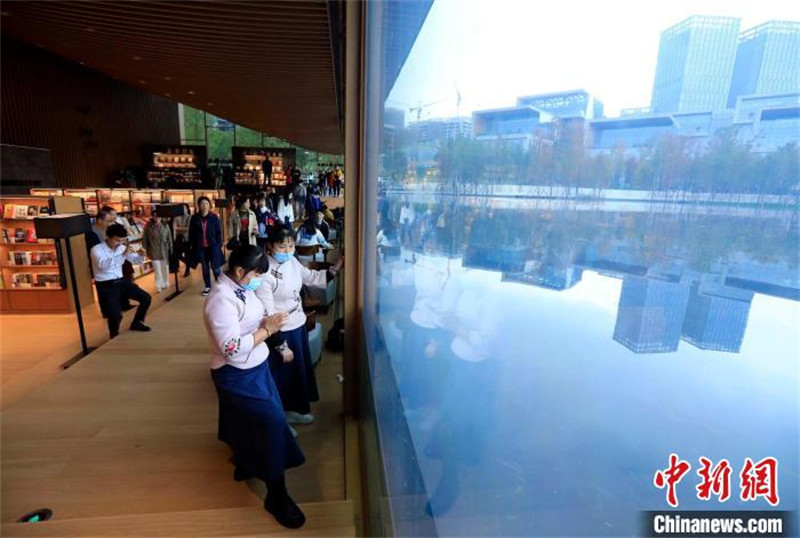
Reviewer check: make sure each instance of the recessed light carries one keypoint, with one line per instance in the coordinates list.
(190, 92)
(209, 104)
(89, 29)
(167, 78)
(142, 82)
(168, 94)
(137, 58)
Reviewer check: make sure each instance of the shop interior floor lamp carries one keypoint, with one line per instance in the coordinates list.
(169, 212)
(65, 227)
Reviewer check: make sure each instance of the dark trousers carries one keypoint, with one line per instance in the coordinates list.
(207, 264)
(111, 293)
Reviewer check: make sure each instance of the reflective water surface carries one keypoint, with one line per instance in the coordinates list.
(542, 359)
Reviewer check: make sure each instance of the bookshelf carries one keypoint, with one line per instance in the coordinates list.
(33, 278)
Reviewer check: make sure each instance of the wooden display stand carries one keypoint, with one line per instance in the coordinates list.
(42, 284)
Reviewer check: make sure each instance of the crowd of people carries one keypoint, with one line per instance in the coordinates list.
(261, 365)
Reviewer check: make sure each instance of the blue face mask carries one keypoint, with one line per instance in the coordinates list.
(253, 285)
(282, 257)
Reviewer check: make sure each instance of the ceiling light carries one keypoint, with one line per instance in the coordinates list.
(167, 78)
(190, 92)
(209, 104)
(142, 82)
(137, 58)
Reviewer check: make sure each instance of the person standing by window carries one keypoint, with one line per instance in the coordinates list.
(107, 260)
(205, 241)
(158, 245)
(251, 419)
(280, 292)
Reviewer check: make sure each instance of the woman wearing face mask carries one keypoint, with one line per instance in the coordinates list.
(251, 418)
(282, 282)
(264, 217)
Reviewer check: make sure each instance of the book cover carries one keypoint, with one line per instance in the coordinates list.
(30, 235)
(33, 211)
(48, 280)
(21, 280)
(8, 211)
(5, 236)
(19, 235)
(20, 212)
(44, 210)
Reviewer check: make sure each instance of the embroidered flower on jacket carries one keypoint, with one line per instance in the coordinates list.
(240, 294)
(231, 347)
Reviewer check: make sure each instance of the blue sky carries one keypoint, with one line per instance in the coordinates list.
(494, 51)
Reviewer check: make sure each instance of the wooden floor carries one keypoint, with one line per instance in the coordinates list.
(124, 444)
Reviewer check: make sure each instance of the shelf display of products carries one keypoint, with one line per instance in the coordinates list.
(175, 165)
(119, 199)
(145, 200)
(89, 197)
(29, 264)
(248, 164)
(47, 192)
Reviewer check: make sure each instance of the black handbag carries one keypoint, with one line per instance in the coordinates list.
(232, 244)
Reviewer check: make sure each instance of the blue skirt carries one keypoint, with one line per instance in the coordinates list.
(295, 380)
(252, 422)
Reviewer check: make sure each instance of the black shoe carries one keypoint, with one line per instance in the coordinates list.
(141, 327)
(285, 511)
(240, 475)
(127, 307)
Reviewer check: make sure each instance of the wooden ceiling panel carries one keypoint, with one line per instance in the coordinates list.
(266, 65)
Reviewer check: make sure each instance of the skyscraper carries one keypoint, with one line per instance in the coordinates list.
(695, 65)
(767, 61)
(650, 314)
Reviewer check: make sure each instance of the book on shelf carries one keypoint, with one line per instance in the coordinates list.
(22, 280)
(20, 211)
(47, 280)
(20, 257)
(33, 211)
(43, 257)
(8, 211)
(30, 235)
(19, 235)
(44, 210)
(6, 238)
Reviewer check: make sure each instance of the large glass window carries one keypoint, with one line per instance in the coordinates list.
(547, 323)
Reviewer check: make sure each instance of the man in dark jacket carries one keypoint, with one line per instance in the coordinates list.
(205, 241)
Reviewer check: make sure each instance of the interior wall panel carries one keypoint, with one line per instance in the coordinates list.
(93, 125)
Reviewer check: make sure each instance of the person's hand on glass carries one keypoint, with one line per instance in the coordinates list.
(274, 322)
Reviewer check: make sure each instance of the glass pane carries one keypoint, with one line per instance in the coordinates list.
(563, 287)
(193, 122)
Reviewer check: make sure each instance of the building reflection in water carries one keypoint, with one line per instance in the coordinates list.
(517, 336)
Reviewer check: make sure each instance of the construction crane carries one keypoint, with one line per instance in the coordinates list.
(422, 107)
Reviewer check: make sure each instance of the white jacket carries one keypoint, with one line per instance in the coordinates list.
(280, 289)
(232, 314)
(285, 210)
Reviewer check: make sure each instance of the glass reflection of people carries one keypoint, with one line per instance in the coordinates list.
(283, 280)
(251, 419)
(421, 359)
(470, 314)
(406, 221)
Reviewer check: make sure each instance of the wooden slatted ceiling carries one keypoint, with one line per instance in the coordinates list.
(265, 65)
